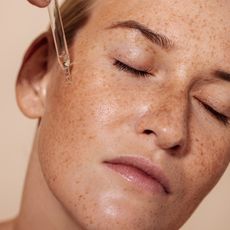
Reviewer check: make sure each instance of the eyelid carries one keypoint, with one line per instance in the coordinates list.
(221, 117)
(129, 68)
(217, 115)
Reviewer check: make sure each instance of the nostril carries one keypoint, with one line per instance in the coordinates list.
(169, 142)
(148, 131)
(175, 148)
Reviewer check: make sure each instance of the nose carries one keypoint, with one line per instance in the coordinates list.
(166, 124)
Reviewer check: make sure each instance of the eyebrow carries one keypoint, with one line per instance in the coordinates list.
(222, 75)
(160, 40)
(156, 38)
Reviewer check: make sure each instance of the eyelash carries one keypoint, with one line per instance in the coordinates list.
(220, 117)
(144, 73)
(138, 73)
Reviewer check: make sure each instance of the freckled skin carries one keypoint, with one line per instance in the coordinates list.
(105, 112)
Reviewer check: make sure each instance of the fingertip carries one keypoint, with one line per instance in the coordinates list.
(40, 3)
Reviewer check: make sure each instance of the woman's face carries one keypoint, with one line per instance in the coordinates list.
(140, 104)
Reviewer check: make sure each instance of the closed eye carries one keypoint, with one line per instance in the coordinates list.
(219, 116)
(138, 73)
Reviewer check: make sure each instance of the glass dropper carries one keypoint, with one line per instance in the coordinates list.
(59, 38)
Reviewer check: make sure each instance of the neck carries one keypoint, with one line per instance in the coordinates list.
(39, 208)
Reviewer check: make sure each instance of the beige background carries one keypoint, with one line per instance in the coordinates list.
(20, 23)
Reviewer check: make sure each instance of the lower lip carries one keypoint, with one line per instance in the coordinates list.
(138, 178)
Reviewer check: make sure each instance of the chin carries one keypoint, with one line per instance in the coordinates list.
(117, 213)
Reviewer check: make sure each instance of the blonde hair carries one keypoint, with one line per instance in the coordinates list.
(75, 14)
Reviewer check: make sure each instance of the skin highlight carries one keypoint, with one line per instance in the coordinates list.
(108, 111)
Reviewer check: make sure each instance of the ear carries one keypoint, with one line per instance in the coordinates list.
(32, 81)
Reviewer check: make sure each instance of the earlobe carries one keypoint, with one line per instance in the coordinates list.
(32, 79)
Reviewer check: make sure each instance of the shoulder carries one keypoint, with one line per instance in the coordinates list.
(7, 225)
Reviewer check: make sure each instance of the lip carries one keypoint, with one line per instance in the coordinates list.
(141, 172)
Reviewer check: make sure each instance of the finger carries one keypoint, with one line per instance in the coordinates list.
(40, 3)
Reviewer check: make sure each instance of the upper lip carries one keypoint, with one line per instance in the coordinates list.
(146, 166)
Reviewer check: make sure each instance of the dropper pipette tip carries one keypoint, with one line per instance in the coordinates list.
(59, 38)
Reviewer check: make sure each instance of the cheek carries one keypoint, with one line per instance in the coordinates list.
(83, 123)
(71, 134)
(207, 161)
(202, 167)
(81, 117)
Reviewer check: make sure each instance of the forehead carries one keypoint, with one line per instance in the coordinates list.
(196, 22)
(195, 13)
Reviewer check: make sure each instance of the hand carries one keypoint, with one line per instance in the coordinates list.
(40, 3)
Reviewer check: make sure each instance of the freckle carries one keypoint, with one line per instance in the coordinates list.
(91, 221)
(91, 137)
(54, 178)
(80, 197)
(94, 205)
(201, 153)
